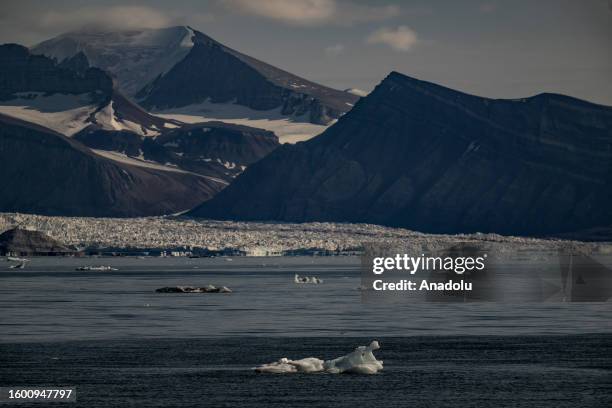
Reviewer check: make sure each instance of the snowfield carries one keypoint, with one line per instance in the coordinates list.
(288, 129)
(65, 114)
(107, 119)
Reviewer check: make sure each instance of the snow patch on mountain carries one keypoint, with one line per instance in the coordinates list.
(64, 113)
(68, 114)
(357, 91)
(288, 129)
(107, 119)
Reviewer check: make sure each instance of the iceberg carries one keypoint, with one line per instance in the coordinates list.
(307, 279)
(360, 361)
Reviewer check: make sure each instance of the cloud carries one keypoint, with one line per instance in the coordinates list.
(22, 23)
(334, 50)
(113, 17)
(312, 12)
(401, 38)
(110, 17)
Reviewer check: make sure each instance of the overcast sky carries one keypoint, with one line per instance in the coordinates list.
(495, 48)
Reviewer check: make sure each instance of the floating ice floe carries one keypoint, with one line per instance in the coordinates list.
(16, 259)
(96, 268)
(17, 266)
(191, 289)
(360, 361)
(307, 279)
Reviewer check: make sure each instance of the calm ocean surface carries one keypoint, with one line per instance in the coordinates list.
(50, 301)
(121, 344)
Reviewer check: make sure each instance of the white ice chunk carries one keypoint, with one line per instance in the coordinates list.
(307, 279)
(360, 361)
(284, 365)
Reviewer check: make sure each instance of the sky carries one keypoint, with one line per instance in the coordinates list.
(493, 48)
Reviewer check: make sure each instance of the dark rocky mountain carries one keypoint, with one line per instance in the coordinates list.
(23, 242)
(417, 155)
(178, 66)
(169, 166)
(68, 96)
(21, 71)
(45, 172)
(215, 149)
(78, 62)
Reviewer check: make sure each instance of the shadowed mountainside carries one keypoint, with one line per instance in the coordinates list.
(417, 155)
(47, 173)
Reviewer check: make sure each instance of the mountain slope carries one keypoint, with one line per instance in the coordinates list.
(46, 173)
(134, 57)
(81, 102)
(66, 97)
(177, 67)
(417, 155)
(212, 149)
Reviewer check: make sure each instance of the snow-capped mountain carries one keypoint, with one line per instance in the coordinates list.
(70, 116)
(67, 97)
(135, 58)
(444, 162)
(182, 73)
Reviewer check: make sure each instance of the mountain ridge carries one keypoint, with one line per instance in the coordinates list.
(422, 156)
(48, 173)
(223, 74)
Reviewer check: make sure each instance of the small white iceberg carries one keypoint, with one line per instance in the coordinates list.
(16, 259)
(360, 361)
(307, 279)
(96, 268)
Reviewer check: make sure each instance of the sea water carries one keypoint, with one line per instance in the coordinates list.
(119, 343)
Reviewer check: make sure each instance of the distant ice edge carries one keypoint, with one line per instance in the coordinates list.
(360, 361)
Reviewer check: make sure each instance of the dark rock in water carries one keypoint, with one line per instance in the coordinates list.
(22, 242)
(44, 172)
(191, 289)
(417, 155)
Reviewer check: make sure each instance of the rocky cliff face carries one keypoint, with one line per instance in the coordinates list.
(44, 172)
(417, 155)
(23, 72)
(213, 149)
